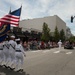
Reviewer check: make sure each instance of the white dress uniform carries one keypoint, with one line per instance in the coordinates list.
(1, 53)
(20, 53)
(6, 52)
(59, 43)
(12, 53)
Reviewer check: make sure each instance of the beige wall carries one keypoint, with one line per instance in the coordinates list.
(51, 21)
(60, 24)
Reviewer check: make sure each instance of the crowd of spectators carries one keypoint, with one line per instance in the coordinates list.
(37, 45)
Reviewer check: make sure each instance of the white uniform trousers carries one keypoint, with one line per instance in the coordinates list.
(6, 56)
(19, 60)
(1, 57)
(11, 60)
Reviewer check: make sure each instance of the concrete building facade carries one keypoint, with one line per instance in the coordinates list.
(37, 23)
(68, 32)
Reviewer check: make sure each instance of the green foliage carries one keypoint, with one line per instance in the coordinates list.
(72, 39)
(62, 35)
(56, 34)
(46, 33)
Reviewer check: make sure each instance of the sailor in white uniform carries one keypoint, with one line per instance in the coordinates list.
(12, 52)
(59, 43)
(1, 53)
(20, 53)
(6, 52)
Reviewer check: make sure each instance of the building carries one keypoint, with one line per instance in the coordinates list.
(32, 28)
(68, 33)
(37, 23)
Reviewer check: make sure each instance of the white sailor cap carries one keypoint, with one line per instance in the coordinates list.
(12, 36)
(6, 36)
(60, 40)
(17, 39)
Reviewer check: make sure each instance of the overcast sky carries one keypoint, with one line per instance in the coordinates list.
(41, 8)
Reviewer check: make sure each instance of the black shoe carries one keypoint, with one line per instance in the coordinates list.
(0, 65)
(12, 68)
(21, 70)
(5, 66)
(8, 67)
(18, 70)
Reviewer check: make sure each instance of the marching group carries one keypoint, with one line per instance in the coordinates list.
(12, 54)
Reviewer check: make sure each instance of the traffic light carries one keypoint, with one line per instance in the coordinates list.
(72, 19)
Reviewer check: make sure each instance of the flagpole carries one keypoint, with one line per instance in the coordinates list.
(10, 10)
(20, 14)
(9, 13)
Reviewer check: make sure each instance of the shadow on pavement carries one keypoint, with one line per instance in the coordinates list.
(5, 71)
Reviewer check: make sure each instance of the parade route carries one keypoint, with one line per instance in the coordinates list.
(50, 62)
(37, 37)
(46, 62)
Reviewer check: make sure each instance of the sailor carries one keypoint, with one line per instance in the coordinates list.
(12, 52)
(6, 52)
(59, 43)
(1, 53)
(20, 53)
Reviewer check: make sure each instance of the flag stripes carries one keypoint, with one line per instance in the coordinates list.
(10, 19)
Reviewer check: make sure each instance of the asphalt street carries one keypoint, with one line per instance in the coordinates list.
(46, 62)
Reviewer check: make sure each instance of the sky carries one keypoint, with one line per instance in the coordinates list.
(41, 8)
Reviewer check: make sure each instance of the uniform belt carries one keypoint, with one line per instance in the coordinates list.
(18, 50)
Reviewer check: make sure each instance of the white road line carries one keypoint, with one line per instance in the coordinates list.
(46, 51)
(36, 51)
(68, 52)
(56, 51)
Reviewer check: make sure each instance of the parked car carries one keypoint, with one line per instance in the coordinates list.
(68, 45)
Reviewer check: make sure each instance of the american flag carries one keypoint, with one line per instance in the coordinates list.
(11, 18)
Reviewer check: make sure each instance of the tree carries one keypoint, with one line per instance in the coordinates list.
(62, 35)
(56, 34)
(46, 33)
(72, 39)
